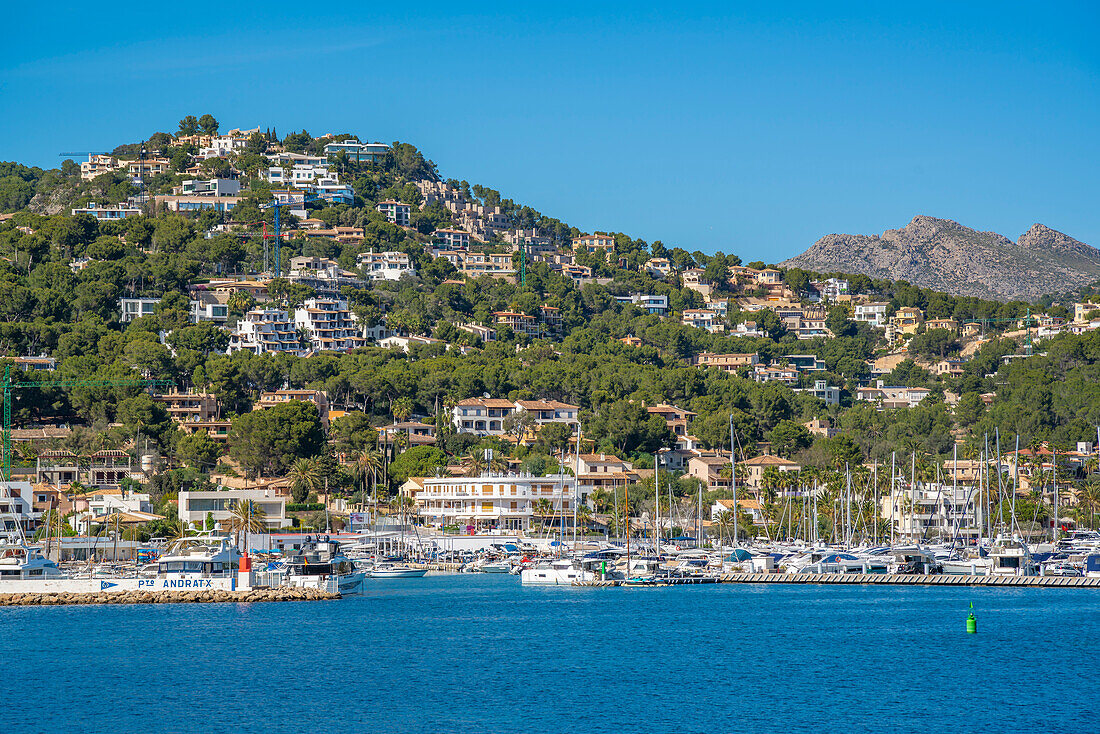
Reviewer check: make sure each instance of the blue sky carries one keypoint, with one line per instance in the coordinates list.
(752, 129)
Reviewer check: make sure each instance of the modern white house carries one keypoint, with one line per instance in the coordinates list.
(871, 313)
(389, 265)
(395, 212)
(196, 506)
(108, 212)
(135, 308)
(359, 152)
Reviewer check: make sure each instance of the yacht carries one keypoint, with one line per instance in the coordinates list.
(1010, 557)
(562, 572)
(319, 563)
(396, 571)
(22, 561)
(200, 557)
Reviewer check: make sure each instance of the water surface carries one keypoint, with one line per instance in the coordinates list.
(479, 653)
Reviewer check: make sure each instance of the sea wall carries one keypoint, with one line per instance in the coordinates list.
(167, 597)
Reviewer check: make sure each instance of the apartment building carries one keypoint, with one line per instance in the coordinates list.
(892, 396)
(277, 397)
(189, 407)
(451, 238)
(147, 168)
(388, 265)
(60, 468)
(97, 165)
(329, 325)
(784, 375)
(708, 469)
(264, 330)
(822, 390)
(702, 318)
(932, 510)
(505, 502)
(395, 212)
(485, 416)
(727, 362)
(593, 243)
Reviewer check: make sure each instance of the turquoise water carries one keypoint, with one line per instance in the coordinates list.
(479, 653)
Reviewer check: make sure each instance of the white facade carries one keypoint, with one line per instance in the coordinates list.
(395, 212)
(210, 187)
(135, 308)
(108, 212)
(871, 313)
(194, 507)
(933, 510)
(387, 265)
(506, 501)
(329, 325)
(361, 152)
(653, 304)
(265, 330)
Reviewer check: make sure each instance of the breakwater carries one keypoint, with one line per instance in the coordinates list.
(167, 597)
(896, 579)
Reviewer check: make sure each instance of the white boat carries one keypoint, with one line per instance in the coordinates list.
(967, 566)
(561, 572)
(200, 557)
(396, 571)
(21, 561)
(1010, 557)
(321, 564)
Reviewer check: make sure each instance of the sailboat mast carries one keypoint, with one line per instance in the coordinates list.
(893, 493)
(1015, 481)
(733, 481)
(1054, 482)
(656, 506)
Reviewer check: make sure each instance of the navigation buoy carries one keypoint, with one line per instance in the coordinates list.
(971, 622)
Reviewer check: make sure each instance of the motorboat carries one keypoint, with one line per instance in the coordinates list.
(1010, 557)
(850, 563)
(22, 561)
(318, 563)
(200, 557)
(561, 572)
(396, 571)
(976, 566)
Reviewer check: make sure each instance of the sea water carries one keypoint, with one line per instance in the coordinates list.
(480, 653)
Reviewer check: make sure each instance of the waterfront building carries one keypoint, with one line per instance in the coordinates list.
(507, 502)
(196, 506)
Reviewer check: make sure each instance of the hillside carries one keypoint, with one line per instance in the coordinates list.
(946, 256)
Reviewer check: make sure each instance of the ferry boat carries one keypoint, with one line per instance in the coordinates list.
(318, 563)
(22, 561)
(201, 556)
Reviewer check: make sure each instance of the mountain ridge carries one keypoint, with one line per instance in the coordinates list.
(945, 255)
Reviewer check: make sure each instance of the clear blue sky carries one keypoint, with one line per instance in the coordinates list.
(746, 129)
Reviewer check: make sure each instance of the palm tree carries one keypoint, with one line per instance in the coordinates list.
(245, 517)
(725, 522)
(584, 516)
(602, 498)
(401, 408)
(543, 509)
(369, 463)
(306, 479)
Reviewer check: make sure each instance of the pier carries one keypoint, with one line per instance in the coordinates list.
(894, 579)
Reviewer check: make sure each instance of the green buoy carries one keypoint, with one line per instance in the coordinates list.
(971, 622)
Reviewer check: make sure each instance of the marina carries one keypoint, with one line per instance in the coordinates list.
(747, 655)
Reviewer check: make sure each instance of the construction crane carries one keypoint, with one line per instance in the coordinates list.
(9, 385)
(277, 205)
(85, 152)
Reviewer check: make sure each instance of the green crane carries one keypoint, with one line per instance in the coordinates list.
(9, 385)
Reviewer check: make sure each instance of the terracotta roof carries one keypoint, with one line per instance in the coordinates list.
(768, 460)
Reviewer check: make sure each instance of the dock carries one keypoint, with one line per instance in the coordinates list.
(209, 596)
(892, 579)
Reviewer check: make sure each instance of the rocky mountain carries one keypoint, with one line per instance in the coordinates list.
(946, 256)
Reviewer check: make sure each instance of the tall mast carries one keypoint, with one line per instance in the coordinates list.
(576, 484)
(733, 481)
(912, 492)
(893, 493)
(1015, 480)
(1054, 481)
(656, 506)
(874, 538)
